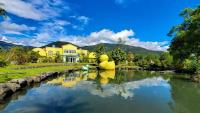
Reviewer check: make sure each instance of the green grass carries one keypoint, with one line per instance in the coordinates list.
(9, 72)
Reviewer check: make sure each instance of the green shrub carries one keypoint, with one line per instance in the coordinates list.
(3, 63)
(191, 66)
(33, 56)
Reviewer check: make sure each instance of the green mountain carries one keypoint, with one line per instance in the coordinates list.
(109, 47)
(6, 45)
(126, 48)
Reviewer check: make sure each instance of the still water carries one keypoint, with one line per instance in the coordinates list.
(108, 92)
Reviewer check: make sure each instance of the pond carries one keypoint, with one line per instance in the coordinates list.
(108, 92)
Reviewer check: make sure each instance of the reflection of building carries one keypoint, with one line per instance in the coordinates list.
(68, 52)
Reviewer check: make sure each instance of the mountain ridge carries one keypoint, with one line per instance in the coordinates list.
(126, 48)
(109, 47)
(92, 48)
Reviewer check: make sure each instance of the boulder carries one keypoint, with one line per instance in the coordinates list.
(22, 82)
(29, 80)
(43, 76)
(13, 86)
(36, 79)
(5, 91)
(196, 78)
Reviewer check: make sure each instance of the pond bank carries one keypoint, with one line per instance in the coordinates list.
(14, 85)
(192, 78)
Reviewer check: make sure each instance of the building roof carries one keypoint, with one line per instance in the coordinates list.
(58, 44)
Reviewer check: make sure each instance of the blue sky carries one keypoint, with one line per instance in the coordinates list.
(142, 23)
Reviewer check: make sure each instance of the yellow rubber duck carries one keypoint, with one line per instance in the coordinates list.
(105, 65)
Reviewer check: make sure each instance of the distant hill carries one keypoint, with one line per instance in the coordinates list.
(6, 45)
(109, 47)
(126, 48)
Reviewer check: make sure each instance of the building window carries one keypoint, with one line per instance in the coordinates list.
(70, 51)
(66, 51)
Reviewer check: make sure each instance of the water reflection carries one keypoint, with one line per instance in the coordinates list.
(108, 92)
(73, 78)
(96, 83)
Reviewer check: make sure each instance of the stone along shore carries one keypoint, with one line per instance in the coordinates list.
(12, 86)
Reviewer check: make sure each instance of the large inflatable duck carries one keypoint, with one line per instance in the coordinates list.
(105, 64)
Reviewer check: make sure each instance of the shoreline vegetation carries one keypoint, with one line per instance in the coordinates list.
(34, 69)
(10, 87)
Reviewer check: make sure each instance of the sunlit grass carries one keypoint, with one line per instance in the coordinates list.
(10, 72)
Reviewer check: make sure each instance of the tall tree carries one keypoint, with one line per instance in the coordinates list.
(99, 51)
(18, 55)
(130, 57)
(186, 35)
(118, 55)
(166, 60)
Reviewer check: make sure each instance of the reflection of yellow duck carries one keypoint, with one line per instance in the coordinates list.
(106, 75)
(104, 80)
(105, 64)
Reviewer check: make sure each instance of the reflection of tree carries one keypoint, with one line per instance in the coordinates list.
(97, 81)
(186, 96)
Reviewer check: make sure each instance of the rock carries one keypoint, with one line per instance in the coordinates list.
(13, 86)
(5, 91)
(22, 82)
(36, 79)
(196, 78)
(48, 75)
(29, 80)
(43, 77)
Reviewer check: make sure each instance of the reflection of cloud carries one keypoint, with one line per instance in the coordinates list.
(125, 90)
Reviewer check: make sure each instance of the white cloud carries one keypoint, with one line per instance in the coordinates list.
(62, 22)
(15, 27)
(22, 9)
(3, 38)
(126, 90)
(82, 20)
(34, 9)
(124, 3)
(103, 36)
(7, 27)
(108, 36)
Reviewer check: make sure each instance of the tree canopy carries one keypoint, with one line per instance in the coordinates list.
(2, 12)
(186, 35)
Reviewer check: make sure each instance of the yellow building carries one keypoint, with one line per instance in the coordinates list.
(92, 57)
(68, 52)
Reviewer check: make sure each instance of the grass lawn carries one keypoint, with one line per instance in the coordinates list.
(10, 72)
